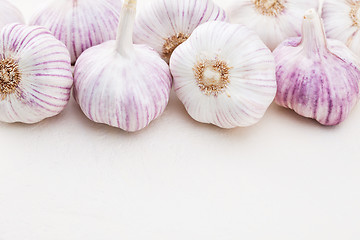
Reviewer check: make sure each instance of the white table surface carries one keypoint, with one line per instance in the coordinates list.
(286, 178)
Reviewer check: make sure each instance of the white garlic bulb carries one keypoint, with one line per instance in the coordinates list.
(122, 84)
(80, 24)
(165, 24)
(9, 14)
(317, 77)
(273, 20)
(342, 21)
(35, 74)
(224, 75)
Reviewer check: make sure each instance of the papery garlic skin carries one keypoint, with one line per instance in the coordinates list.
(317, 77)
(35, 74)
(9, 14)
(273, 20)
(165, 24)
(224, 75)
(123, 93)
(342, 22)
(80, 24)
(120, 84)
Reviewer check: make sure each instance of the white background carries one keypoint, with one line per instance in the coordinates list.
(287, 178)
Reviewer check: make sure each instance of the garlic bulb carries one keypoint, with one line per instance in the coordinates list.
(35, 74)
(224, 75)
(342, 21)
(9, 14)
(273, 20)
(317, 77)
(164, 24)
(80, 24)
(122, 84)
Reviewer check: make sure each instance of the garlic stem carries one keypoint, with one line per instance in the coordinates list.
(124, 39)
(313, 35)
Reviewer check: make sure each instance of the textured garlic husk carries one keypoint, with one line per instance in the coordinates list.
(273, 20)
(80, 24)
(122, 84)
(224, 75)
(342, 22)
(317, 77)
(9, 14)
(164, 24)
(35, 74)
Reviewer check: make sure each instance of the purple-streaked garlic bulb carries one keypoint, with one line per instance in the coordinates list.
(122, 84)
(342, 22)
(317, 77)
(80, 24)
(224, 75)
(165, 24)
(35, 74)
(9, 14)
(273, 20)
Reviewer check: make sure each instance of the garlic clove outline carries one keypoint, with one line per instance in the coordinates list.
(273, 20)
(164, 24)
(35, 74)
(342, 22)
(80, 24)
(9, 14)
(317, 77)
(122, 84)
(224, 75)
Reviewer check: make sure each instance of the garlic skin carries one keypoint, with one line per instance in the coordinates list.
(35, 74)
(342, 22)
(122, 84)
(9, 14)
(80, 24)
(164, 24)
(273, 20)
(317, 77)
(224, 75)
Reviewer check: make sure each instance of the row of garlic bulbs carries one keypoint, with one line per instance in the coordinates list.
(223, 73)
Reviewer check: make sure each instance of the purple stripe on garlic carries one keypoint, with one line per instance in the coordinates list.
(35, 74)
(317, 77)
(164, 24)
(9, 14)
(273, 20)
(122, 84)
(80, 24)
(224, 75)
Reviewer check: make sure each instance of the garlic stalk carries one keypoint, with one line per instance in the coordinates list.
(9, 14)
(164, 24)
(122, 84)
(224, 75)
(273, 20)
(317, 77)
(342, 21)
(80, 24)
(35, 74)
